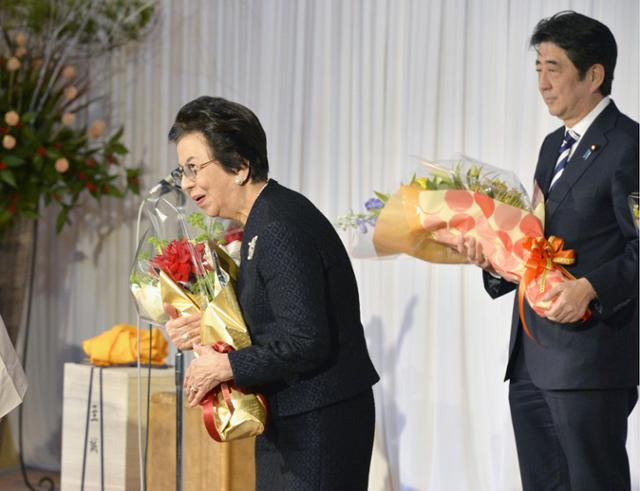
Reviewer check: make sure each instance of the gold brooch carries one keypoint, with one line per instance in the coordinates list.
(252, 248)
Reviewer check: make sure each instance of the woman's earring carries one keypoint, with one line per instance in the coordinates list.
(238, 180)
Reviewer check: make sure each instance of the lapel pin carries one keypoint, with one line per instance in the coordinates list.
(590, 150)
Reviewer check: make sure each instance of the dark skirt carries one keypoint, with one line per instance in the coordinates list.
(325, 449)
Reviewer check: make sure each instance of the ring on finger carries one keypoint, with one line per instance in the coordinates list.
(185, 337)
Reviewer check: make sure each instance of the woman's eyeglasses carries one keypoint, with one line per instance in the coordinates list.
(190, 171)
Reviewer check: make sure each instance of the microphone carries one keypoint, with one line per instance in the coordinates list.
(165, 185)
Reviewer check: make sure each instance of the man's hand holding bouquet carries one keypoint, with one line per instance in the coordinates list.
(447, 204)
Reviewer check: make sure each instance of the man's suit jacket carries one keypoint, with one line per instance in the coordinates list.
(588, 208)
(299, 297)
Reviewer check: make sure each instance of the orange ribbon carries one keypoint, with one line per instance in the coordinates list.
(546, 255)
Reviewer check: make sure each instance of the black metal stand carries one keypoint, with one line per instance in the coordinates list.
(179, 405)
(23, 468)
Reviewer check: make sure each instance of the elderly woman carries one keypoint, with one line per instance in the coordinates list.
(299, 298)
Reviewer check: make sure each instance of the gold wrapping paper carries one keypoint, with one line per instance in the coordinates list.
(247, 419)
(246, 414)
(222, 321)
(174, 295)
(227, 264)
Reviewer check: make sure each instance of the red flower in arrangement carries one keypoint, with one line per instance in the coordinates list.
(82, 176)
(232, 235)
(57, 146)
(42, 151)
(111, 159)
(105, 189)
(4, 130)
(3, 166)
(176, 261)
(91, 186)
(90, 163)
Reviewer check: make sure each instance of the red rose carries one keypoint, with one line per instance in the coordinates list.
(105, 189)
(91, 186)
(82, 176)
(232, 235)
(42, 151)
(4, 130)
(3, 166)
(176, 260)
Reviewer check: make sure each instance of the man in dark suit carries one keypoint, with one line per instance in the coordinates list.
(574, 385)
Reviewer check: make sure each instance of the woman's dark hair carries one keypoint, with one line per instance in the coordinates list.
(586, 41)
(234, 134)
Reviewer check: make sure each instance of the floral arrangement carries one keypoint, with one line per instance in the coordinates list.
(50, 151)
(186, 262)
(471, 177)
(445, 200)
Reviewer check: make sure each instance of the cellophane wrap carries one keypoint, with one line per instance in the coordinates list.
(191, 262)
(446, 199)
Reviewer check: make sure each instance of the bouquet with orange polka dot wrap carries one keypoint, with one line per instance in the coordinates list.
(447, 199)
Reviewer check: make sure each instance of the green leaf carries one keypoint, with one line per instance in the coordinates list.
(119, 148)
(63, 219)
(113, 191)
(13, 160)
(117, 135)
(28, 117)
(381, 196)
(7, 176)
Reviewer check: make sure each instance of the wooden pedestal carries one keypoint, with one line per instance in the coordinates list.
(100, 439)
(208, 465)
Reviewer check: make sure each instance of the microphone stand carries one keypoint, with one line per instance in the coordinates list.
(167, 186)
(179, 369)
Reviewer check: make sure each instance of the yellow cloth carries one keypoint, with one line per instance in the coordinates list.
(119, 345)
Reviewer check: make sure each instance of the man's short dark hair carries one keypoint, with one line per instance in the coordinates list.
(232, 131)
(586, 41)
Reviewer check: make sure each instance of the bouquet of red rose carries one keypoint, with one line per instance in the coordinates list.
(444, 200)
(195, 272)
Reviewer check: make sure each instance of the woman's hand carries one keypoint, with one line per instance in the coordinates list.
(205, 373)
(184, 331)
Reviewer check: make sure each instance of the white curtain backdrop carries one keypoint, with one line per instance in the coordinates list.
(349, 93)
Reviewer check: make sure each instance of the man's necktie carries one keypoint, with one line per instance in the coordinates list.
(570, 137)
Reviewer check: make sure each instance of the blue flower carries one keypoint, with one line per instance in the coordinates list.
(374, 204)
(361, 224)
